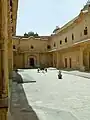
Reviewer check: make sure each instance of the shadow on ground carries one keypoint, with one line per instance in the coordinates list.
(19, 107)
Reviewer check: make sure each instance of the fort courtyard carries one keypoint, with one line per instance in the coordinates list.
(42, 96)
(52, 98)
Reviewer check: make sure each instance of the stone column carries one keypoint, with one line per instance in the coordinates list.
(81, 59)
(10, 42)
(57, 60)
(1, 52)
(53, 59)
(38, 59)
(23, 60)
(4, 57)
(88, 63)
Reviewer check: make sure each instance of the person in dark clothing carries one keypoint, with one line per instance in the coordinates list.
(59, 75)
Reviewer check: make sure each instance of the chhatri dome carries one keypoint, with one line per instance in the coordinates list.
(87, 6)
(88, 2)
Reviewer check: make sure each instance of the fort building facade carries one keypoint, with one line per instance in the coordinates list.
(68, 46)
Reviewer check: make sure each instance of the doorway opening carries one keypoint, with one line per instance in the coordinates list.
(65, 62)
(70, 62)
(31, 62)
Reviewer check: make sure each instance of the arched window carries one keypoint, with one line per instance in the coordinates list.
(14, 47)
(85, 31)
(48, 47)
(32, 47)
(11, 5)
(60, 42)
(54, 44)
(66, 40)
(72, 36)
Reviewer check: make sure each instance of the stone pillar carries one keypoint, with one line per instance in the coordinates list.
(4, 57)
(57, 60)
(23, 60)
(38, 59)
(10, 42)
(5, 46)
(81, 59)
(88, 63)
(53, 59)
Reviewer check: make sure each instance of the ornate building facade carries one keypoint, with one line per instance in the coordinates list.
(8, 13)
(68, 47)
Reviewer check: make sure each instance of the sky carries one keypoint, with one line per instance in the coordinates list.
(42, 16)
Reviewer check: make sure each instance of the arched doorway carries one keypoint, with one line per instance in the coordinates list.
(70, 62)
(31, 61)
(65, 62)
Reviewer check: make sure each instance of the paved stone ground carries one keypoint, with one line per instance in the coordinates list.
(55, 99)
(78, 73)
(19, 107)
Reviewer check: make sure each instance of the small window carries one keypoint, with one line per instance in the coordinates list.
(66, 40)
(14, 47)
(11, 3)
(54, 44)
(85, 31)
(60, 42)
(72, 36)
(48, 47)
(32, 47)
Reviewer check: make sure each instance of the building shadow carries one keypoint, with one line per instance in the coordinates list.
(19, 106)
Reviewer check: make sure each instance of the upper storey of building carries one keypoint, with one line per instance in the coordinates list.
(33, 44)
(75, 31)
(85, 10)
(87, 6)
(13, 12)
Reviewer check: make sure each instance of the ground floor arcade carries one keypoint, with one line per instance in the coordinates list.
(27, 60)
(74, 57)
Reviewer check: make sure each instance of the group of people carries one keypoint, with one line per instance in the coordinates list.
(44, 69)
